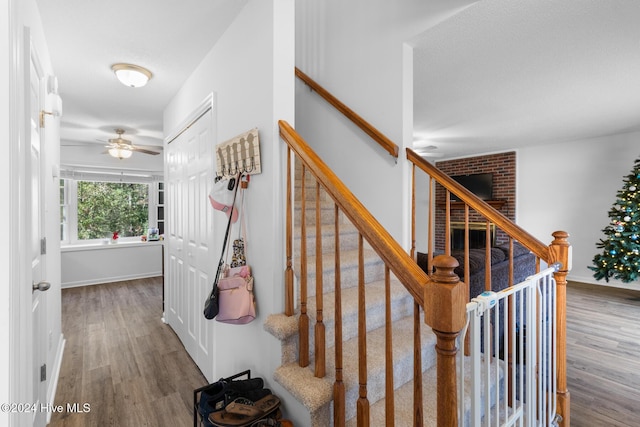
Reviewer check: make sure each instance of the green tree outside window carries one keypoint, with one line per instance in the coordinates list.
(106, 207)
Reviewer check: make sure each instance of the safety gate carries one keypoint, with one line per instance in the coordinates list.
(508, 375)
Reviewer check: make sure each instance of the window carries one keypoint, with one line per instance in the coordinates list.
(92, 209)
(105, 207)
(160, 218)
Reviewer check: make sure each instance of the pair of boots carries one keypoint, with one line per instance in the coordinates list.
(219, 394)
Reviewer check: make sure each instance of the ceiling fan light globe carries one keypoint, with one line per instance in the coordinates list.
(120, 153)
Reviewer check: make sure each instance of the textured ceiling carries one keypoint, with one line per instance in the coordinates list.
(85, 38)
(500, 74)
(505, 73)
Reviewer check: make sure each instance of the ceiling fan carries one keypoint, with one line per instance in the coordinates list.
(123, 148)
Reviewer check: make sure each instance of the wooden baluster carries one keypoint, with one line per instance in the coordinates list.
(412, 253)
(288, 274)
(430, 238)
(467, 274)
(339, 405)
(389, 388)
(418, 410)
(320, 345)
(363, 401)
(303, 322)
(560, 251)
(445, 312)
(487, 258)
(447, 224)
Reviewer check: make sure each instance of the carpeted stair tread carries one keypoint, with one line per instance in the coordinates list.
(401, 306)
(293, 378)
(403, 400)
(373, 270)
(348, 234)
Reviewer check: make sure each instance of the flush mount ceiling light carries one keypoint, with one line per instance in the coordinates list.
(131, 75)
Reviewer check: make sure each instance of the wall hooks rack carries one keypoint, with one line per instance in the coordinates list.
(239, 154)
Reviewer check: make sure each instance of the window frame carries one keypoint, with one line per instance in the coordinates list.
(70, 197)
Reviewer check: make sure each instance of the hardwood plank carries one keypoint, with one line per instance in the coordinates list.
(122, 360)
(603, 344)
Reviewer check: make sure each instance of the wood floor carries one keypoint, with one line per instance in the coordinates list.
(603, 356)
(133, 371)
(122, 360)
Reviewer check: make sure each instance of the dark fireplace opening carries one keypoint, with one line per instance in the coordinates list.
(477, 236)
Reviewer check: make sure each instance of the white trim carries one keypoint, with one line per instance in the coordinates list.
(101, 245)
(206, 105)
(55, 376)
(110, 176)
(111, 279)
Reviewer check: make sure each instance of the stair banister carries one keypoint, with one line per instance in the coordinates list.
(443, 293)
(365, 126)
(559, 251)
(389, 250)
(505, 224)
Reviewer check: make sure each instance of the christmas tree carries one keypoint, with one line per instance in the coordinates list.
(620, 257)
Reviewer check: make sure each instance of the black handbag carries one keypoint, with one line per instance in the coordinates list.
(212, 304)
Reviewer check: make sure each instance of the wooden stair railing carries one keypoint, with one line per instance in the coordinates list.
(557, 252)
(396, 261)
(376, 135)
(440, 287)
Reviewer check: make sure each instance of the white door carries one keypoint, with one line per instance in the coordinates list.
(191, 261)
(36, 232)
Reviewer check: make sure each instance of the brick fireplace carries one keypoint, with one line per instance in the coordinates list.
(503, 168)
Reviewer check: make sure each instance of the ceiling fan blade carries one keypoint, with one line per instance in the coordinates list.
(144, 151)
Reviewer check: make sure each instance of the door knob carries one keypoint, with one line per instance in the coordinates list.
(41, 286)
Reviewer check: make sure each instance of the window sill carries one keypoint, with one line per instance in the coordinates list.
(107, 245)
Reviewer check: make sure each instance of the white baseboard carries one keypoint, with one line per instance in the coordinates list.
(53, 383)
(112, 279)
(611, 283)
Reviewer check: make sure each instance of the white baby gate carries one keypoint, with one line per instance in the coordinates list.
(509, 377)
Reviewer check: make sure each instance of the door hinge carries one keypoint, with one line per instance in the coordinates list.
(43, 246)
(43, 372)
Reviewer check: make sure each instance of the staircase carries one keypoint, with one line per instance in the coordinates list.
(316, 394)
(367, 376)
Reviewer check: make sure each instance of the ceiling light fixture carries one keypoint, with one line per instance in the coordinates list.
(131, 75)
(120, 153)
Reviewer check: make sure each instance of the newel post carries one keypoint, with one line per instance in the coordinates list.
(560, 251)
(444, 311)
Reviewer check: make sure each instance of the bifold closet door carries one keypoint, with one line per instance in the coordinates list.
(190, 260)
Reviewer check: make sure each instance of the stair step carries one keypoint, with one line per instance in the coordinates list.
(373, 270)
(310, 191)
(348, 234)
(327, 213)
(316, 393)
(401, 306)
(403, 400)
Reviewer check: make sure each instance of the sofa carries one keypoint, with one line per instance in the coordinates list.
(524, 265)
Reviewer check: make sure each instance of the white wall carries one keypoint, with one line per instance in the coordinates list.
(250, 71)
(91, 265)
(571, 186)
(356, 51)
